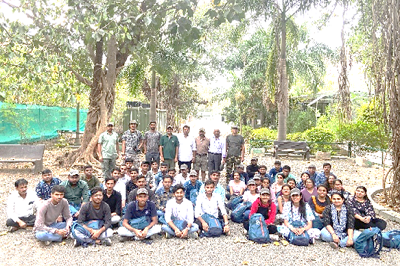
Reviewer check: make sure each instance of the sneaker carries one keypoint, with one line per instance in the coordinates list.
(333, 245)
(274, 237)
(124, 238)
(12, 229)
(168, 235)
(312, 241)
(106, 241)
(76, 244)
(194, 235)
(47, 243)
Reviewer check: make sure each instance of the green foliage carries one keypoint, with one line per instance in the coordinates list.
(299, 120)
(296, 136)
(321, 137)
(246, 131)
(264, 133)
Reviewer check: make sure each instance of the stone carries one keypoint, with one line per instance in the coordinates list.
(321, 155)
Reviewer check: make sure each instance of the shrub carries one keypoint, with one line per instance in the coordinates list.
(320, 136)
(264, 133)
(297, 136)
(246, 132)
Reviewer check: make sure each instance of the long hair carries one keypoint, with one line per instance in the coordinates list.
(302, 207)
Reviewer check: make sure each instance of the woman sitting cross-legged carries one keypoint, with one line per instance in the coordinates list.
(364, 213)
(298, 217)
(309, 190)
(339, 223)
(236, 186)
(318, 204)
(266, 207)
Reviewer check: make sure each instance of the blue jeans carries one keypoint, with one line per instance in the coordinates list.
(74, 208)
(47, 236)
(168, 229)
(327, 237)
(153, 157)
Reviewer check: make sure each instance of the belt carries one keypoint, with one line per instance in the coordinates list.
(215, 153)
(201, 154)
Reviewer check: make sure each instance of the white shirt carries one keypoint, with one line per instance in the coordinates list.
(177, 180)
(21, 207)
(186, 147)
(120, 186)
(210, 206)
(181, 179)
(217, 145)
(182, 211)
(248, 197)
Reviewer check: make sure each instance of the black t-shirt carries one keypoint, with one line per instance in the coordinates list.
(114, 201)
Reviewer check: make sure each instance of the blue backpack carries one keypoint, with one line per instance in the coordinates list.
(369, 243)
(139, 223)
(391, 239)
(233, 203)
(237, 214)
(258, 230)
(214, 226)
(298, 240)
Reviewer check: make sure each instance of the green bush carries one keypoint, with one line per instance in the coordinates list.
(246, 131)
(297, 136)
(264, 133)
(321, 136)
(300, 121)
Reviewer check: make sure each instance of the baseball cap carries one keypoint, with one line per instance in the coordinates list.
(169, 126)
(312, 166)
(73, 172)
(184, 166)
(265, 191)
(133, 122)
(254, 159)
(142, 191)
(235, 127)
(257, 177)
(110, 124)
(193, 172)
(295, 191)
(251, 182)
(240, 166)
(202, 129)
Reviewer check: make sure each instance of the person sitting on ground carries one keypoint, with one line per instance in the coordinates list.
(309, 190)
(277, 186)
(159, 176)
(144, 170)
(324, 175)
(183, 176)
(291, 182)
(20, 206)
(76, 192)
(281, 200)
(243, 175)
(179, 208)
(218, 189)
(192, 184)
(318, 204)
(129, 164)
(252, 168)
(48, 224)
(311, 171)
(141, 183)
(364, 212)
(210, 203)
(163, 196)
(257, 179)
(263, 173)
(329, 184)
(114, 200)
(131, 185)
(120, 185)
(251, 194)
(338, 220)
(298, 217)
(266, 207)
(43, 188)
(124, 172)
(338, 186)
(286, 171)
(95, 211)
(140, 207)
(154, 170)
(175, 180)
(264, 183)
(89, 178)
(302, 184)
(277, 169)
(236, 186)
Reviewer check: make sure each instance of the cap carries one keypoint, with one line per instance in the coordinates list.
(73, 172)
(312, 166)
(295, 191)
(202, 129)
(240, 166)
(254, 159)
(169, 126)
(110, 124)
(184, 166)
(257, 177)
(193, 172)
(133, 122)
(251, 182)
(235, 127)
(265, 191)
(142, 191)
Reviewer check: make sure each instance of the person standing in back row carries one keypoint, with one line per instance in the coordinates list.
(216, 152)
(132, 141)
(108, 149)
(169, 148)
(234, 151)
(187, 148)
(151, 143)
(202, 145)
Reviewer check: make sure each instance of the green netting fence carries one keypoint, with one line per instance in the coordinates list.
(21, 123)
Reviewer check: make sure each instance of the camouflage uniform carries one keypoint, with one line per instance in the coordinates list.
(231, 163)
(234, 145)
(132, 141)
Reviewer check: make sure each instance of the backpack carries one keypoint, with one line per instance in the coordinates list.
(258, 230)
(298, 240)
(391, 239)
(234, 202)
(237, 214)
(139, 223)
(193, 196)
(369, 243)
(214, 226)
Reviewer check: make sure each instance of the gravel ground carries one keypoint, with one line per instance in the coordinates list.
(21, 248)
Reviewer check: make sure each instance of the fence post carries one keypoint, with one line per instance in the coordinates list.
(349, 148)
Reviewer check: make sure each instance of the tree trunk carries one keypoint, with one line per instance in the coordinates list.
(153, 97)
(282, 99)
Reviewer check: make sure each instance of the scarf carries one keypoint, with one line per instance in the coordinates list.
(339, 223)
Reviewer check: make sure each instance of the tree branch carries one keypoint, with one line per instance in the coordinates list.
(81, 78)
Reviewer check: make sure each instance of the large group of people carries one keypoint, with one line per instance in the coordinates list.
(143, 199)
